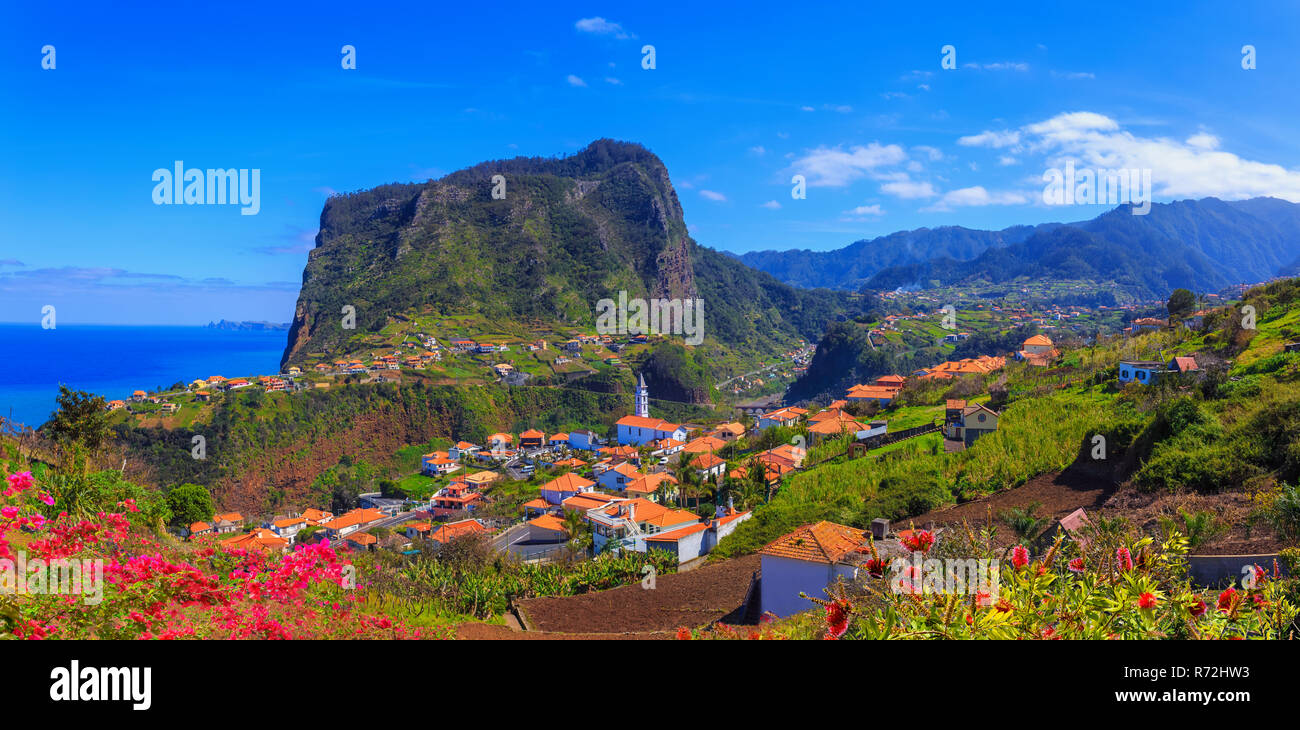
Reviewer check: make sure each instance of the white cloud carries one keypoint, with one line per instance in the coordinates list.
(1000, 66)
(575, 81)
(996, 140)
(976, 196)
(866, 210)
(772, 205)
(1007, 161)
(714, 196)
(1194, 168)
(612, 80)
(934, 153)
(600, 26)
(758, 150)
(806, 109)
(909, 189)
(837, 167)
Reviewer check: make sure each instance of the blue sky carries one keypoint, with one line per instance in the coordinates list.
(743, 97)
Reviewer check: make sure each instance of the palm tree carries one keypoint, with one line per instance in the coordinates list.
(575, 526)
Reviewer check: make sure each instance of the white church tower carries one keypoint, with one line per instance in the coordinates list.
(642, 406)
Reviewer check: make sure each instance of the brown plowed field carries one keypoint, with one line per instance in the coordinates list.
(695, 598)
(1085, 485)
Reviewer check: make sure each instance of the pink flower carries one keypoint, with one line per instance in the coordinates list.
(1076, 565)
(20, 482)
(9, 512)
(1123, 559)
(46, 498)
(1019, 557)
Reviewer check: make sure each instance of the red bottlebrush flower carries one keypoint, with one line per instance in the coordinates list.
(1003, 606)
(1076, 565)
(683, 633)
(919, 541)
(837, 618)
(1147, 601)
(1123, 559)
(1019, 557)
(875, 567)
(1260, 575)
(1197, 609)
(1226, 599)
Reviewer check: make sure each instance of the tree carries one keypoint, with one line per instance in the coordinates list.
(82, 418)
(190, 503)
(1181, 302)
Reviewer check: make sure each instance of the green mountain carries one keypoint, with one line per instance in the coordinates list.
(1202, 245)
(850, 267)
(568, 233)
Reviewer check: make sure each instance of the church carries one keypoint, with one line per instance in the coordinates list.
(639, 428)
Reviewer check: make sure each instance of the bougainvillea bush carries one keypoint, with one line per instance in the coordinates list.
(1114, 586)
(154, 587)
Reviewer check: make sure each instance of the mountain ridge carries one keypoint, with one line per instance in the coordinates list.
(1222, 242)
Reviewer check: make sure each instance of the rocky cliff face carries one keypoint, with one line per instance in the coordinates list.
(567, 233)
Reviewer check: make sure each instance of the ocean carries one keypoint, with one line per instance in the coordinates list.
(113, 361)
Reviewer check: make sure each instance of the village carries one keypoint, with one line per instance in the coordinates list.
(640, 486)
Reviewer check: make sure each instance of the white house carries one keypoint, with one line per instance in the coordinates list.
(288, 528)
(463, 448)
(781, 417)
(637, 430)
(693, 541)
(807, 560)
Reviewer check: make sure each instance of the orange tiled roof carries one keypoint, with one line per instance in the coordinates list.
(548, 522)
(587, 500)
(453, 530)
(675, 535)
(259, 538)
(836, 425)
(823, 542)
(706, 461)
(704, 444)
(355, 517)
(567, 483)
(656, 424)
(643, 510)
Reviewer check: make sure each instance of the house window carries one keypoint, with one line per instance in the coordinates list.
(981, 418)
(1142, 375)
